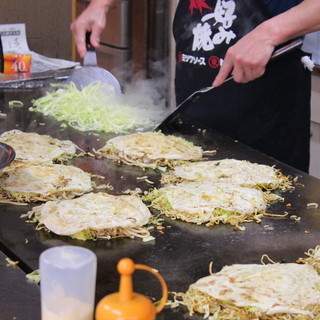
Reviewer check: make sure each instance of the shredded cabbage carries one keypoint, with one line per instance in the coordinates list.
(34, 276)
(11, 262)
(96, 108)
(198, 301)
(15, 103)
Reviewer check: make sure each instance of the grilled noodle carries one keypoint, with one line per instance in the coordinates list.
(41, 182)
(313, 258)
(150, 150)
(33, 147)
(240, 172)
(269, 292)
(94, 215)
(209, 203)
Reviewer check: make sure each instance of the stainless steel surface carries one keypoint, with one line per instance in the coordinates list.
(86, 75)
(125, 32)
(287, 48)
(90, 72)
(90, 58)
(33, 80)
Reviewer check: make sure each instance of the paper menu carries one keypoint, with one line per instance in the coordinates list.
(14, 39)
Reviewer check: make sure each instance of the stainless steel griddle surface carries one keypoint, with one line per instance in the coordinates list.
(182, 252)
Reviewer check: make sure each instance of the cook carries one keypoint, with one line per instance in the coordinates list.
(217, 37)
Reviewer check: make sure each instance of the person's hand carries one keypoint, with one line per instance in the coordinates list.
(92, 19)
(246, 60)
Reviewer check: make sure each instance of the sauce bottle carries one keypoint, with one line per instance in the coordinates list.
(126, 304)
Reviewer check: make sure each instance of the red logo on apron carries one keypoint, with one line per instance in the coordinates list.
(198, 5)
(214, 62)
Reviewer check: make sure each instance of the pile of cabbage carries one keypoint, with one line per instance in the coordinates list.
(97, 108)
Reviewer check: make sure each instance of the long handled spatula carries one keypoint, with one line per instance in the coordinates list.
(175, 113)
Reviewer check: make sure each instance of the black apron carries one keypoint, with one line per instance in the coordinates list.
(270, 114)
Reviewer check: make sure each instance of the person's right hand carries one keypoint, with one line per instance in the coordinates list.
(247, 59)
(92, 19)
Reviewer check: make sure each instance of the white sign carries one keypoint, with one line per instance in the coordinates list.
(14, 39)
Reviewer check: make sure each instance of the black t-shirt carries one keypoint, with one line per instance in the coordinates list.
(278, 6)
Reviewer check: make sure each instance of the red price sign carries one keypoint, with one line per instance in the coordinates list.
(17, 63)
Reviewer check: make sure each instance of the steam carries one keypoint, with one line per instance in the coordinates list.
(148, 93)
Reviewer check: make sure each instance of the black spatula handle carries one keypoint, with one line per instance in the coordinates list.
(88, 43)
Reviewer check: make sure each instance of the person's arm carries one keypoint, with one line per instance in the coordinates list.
(247, 59)
(92, 19)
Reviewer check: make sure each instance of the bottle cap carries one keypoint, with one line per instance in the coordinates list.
(126, 304)
(68, 281)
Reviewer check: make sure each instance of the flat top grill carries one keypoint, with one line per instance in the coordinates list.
(183, 252)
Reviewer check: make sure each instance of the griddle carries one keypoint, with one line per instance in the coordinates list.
(182, 251)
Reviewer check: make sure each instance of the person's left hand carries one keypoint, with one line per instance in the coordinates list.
(247, 59)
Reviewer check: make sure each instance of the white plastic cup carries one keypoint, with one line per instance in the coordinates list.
(68, 280)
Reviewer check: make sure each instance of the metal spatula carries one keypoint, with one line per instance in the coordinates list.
(90, 71)
(189, 100)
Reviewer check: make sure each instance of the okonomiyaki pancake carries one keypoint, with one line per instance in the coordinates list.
(208, 202)
(150, 150)
(95, 215)
(42, 182)
(240, 172)
(33, 147)
(254, 292)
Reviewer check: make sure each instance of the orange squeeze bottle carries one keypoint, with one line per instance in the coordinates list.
(126, 304)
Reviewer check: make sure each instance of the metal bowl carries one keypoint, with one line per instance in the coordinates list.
(7, 155)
